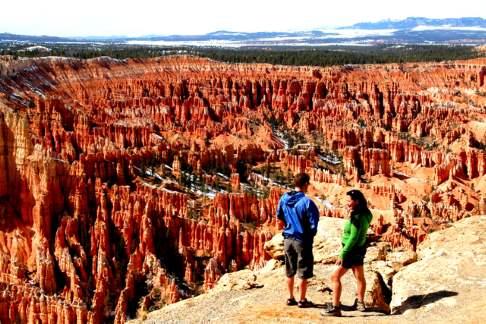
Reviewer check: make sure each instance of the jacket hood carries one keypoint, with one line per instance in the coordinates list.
(356, 214)
(293, 197)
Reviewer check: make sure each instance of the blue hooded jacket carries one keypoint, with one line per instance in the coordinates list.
(300, 215)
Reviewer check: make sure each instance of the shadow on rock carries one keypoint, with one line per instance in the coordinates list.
(417, 301)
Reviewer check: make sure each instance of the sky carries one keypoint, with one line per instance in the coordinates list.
(151, 17)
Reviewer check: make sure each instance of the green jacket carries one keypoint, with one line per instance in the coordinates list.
(354, 233)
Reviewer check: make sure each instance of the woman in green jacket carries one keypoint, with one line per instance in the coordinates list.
(353, 251)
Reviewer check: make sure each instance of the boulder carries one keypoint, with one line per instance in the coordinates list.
(327, 241)
(248, 279)
(400, 259)
(377, 252)
(377, 295)
(385, 270)
(274, 247)
(449, 273)
(240, 280)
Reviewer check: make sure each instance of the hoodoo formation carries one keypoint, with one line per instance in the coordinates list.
(128, 185)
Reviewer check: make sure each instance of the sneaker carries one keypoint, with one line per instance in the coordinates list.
(305, 303)
(291, 302)
(332, 311)
(359, 306)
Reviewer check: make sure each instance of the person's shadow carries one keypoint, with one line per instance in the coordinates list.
(351, 308)
(327, 305)
(417, 301)
(412, 302)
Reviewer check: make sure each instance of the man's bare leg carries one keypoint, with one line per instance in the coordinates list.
(290, 286)
(303, 288)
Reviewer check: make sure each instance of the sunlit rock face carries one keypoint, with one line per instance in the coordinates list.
(128, 185)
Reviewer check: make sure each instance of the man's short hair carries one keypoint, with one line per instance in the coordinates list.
(301, 180)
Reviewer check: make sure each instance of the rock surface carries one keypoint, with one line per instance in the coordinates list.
(377, 295)
(449, 276)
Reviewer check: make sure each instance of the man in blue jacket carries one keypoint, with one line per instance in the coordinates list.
(300, 216)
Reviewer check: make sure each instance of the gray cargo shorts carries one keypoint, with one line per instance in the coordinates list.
(298, 258)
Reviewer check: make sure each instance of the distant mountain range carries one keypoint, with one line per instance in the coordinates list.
(412, 30)
(6, 37)
(412, 22)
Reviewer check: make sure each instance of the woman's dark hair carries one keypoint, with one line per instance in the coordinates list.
(358, 196)
(301, 180)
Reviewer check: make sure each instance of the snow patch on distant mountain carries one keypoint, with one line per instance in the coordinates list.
(37, 48)
(448, 27)
(354, 33)
(203, 43)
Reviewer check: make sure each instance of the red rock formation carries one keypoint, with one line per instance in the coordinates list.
(325, 176)
(296, 164)
(235, 182)
(376, 161)
(466, 165)
(482, 73)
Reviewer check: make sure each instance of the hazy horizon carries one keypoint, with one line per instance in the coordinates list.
(148, 17)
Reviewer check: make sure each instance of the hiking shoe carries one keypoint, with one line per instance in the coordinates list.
(332, 311)
(291, 302)
(304, 303)
(359, 306)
